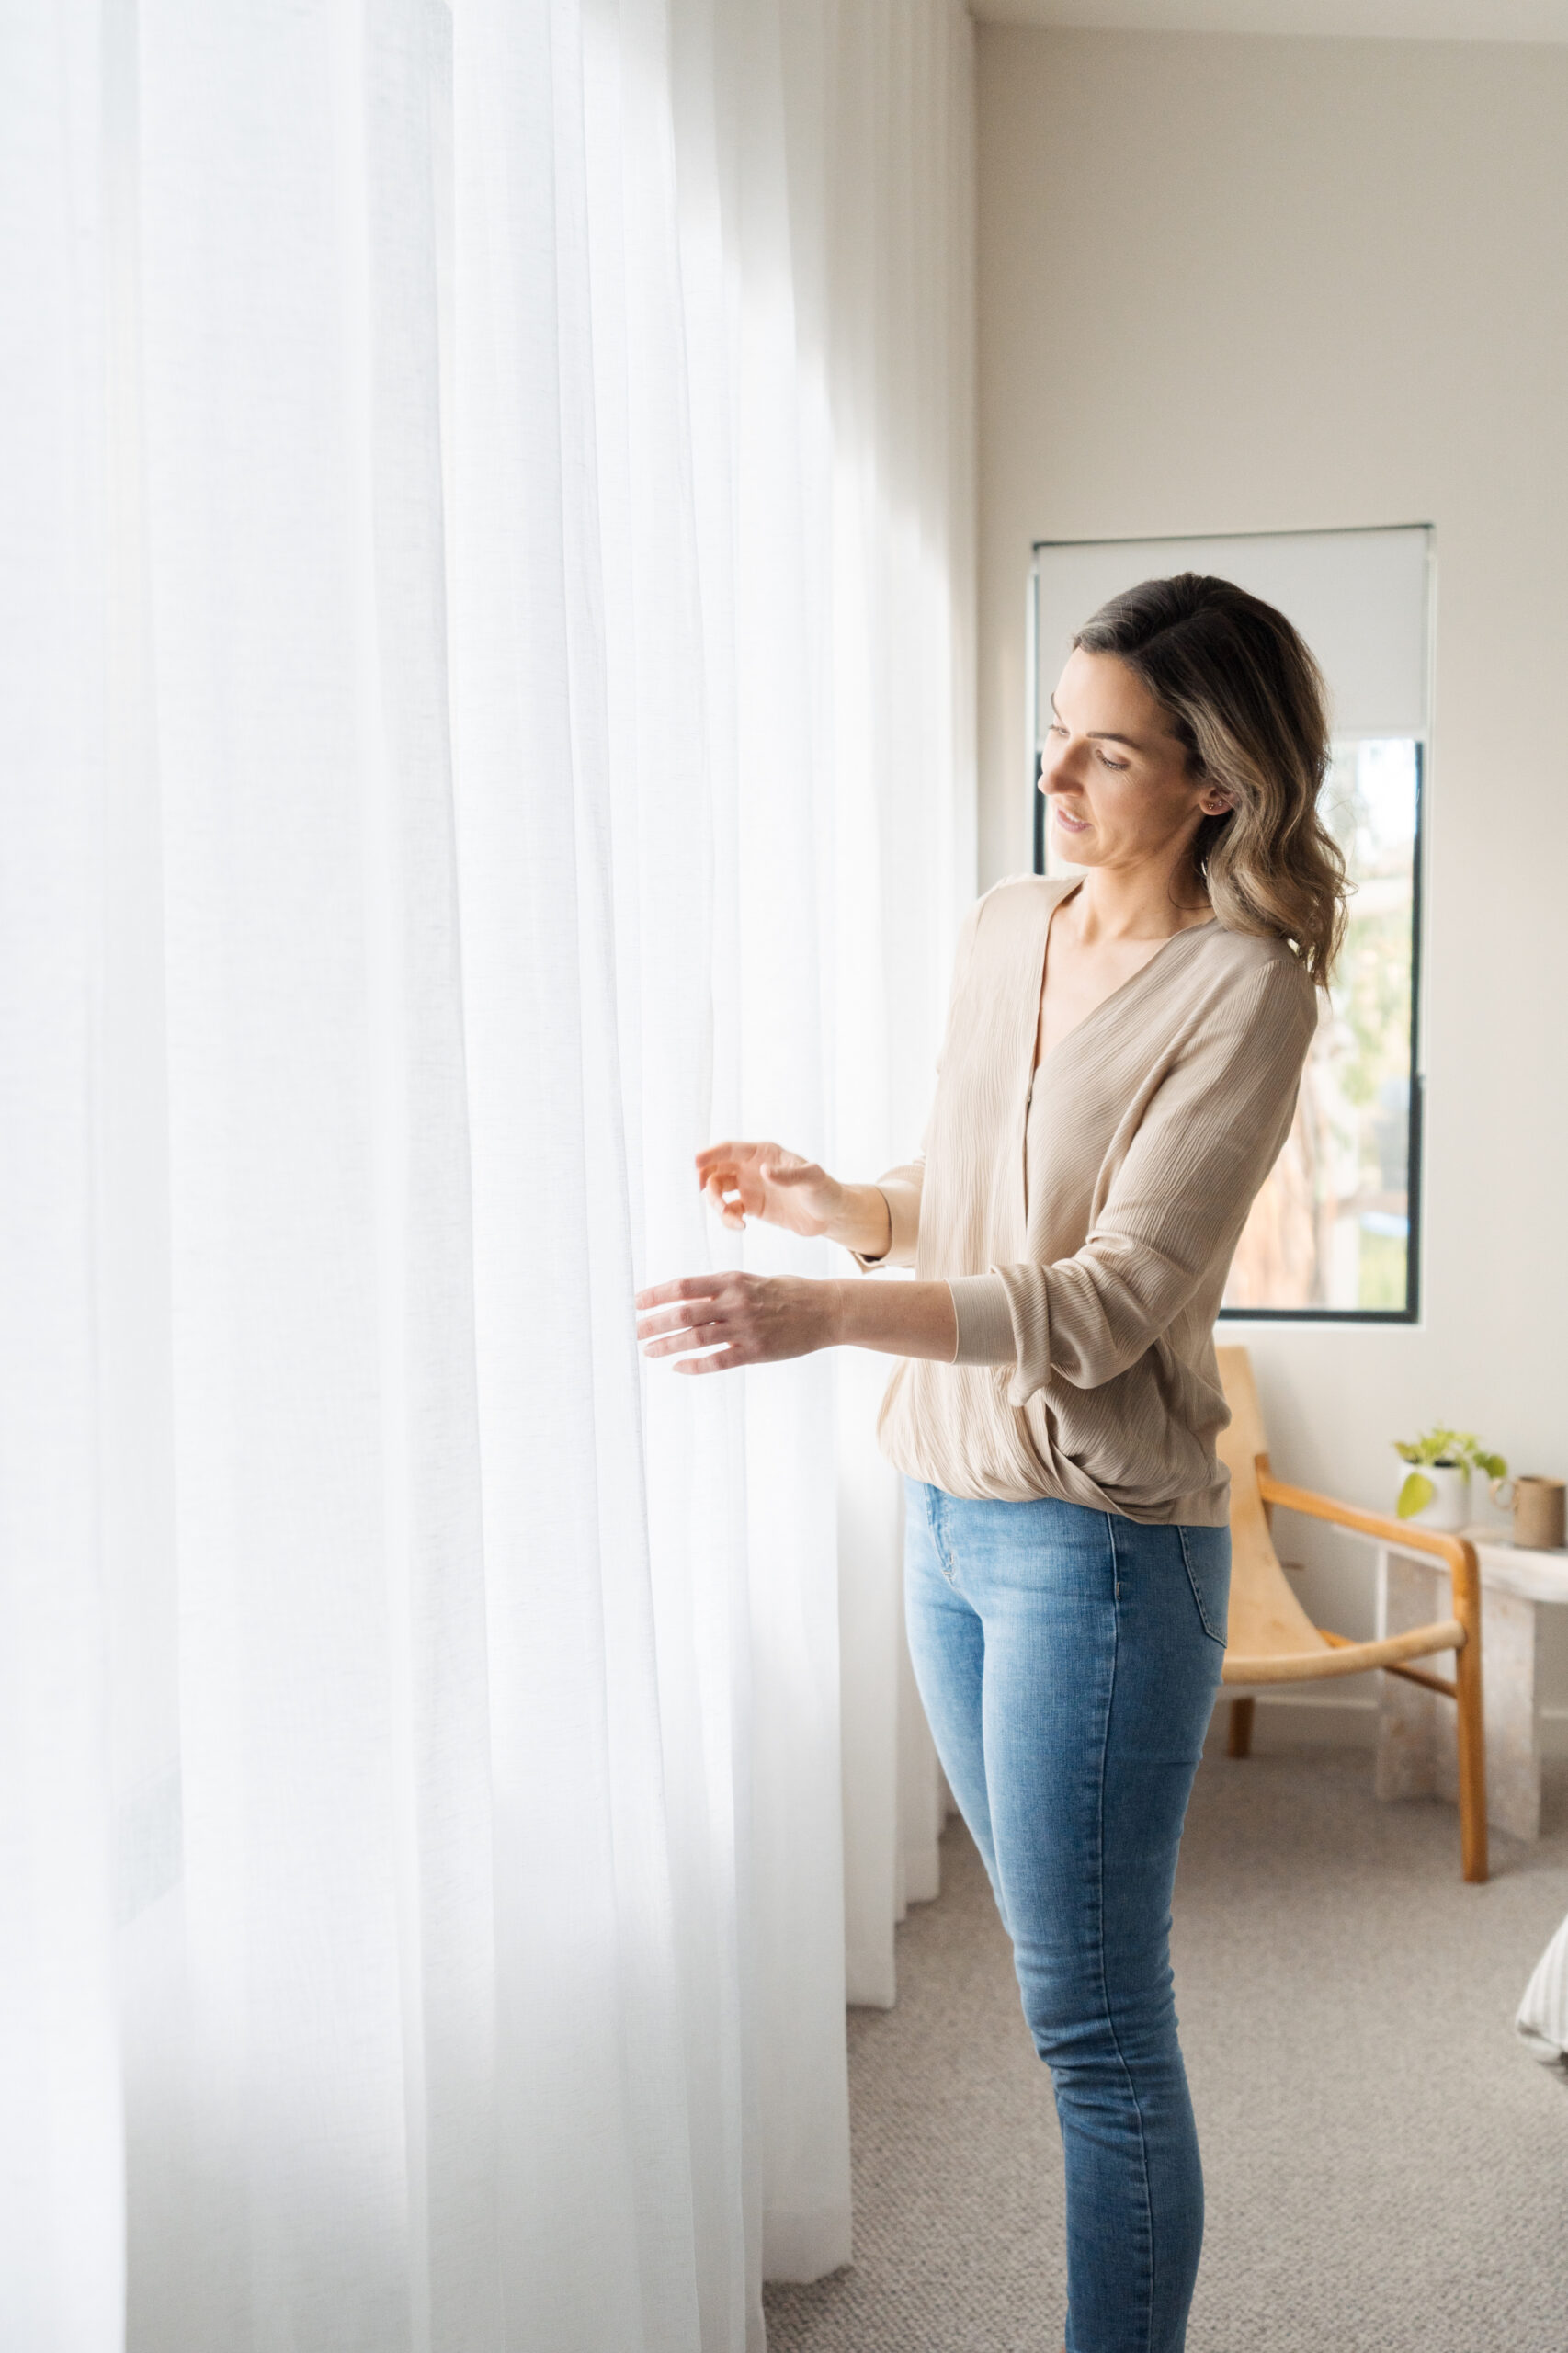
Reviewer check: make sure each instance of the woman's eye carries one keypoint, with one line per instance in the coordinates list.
(1107, 762)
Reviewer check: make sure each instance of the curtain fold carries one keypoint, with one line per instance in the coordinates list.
(60, 2168)
(487, 563)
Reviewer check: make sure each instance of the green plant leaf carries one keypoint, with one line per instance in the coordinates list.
(1453, 1449)
(1414, 1496)
(1492, 1464)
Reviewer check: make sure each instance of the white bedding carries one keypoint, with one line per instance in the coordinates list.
(1543, 2016)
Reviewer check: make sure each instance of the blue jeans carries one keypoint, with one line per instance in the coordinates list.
(1068, 1660)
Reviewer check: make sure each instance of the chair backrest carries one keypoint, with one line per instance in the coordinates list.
(1267, 1620)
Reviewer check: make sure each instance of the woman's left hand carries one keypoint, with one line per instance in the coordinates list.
(742, 1319)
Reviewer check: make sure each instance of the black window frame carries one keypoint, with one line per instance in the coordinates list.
(1411, 1312)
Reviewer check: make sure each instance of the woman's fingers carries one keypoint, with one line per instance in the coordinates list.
(741, 1180)
(677, 1331)
(678, 1289)
(735, 1318)
(725, 1159)
(677, 1306)
(713, 1192)
(680, 1344)
(720, 1175)
(675, 1318)
(653, 1325)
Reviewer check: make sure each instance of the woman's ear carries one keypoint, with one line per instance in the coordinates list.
(1214, 800)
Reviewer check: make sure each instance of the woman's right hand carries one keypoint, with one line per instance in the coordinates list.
(764, 1180)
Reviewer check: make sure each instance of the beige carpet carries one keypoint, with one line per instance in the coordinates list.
(1386, 2166)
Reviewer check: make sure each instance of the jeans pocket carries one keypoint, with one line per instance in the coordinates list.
(1207, 1552)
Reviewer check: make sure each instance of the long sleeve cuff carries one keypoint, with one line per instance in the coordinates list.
(984, 1320)
(1003, 1317)
(904, 1209)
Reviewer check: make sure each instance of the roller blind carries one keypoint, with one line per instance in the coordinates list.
(1360, 599)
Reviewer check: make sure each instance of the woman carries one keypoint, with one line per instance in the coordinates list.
(1118, 1074)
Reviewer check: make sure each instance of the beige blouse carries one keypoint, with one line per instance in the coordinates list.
(1085, 1214)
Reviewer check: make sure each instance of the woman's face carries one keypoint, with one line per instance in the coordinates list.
(1120, 791)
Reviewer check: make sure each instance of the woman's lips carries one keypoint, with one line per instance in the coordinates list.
(1072, 824)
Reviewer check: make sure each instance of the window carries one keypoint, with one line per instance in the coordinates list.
(1334, 1233)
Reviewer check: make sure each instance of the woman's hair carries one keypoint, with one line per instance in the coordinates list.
(1245, 699)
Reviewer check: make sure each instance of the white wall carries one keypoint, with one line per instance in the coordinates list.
(1231, 284)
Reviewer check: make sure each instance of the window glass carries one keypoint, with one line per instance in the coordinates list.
(1331, 1228)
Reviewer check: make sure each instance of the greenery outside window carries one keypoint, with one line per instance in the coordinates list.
(1332, 1229)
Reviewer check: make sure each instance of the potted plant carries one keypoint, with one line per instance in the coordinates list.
(1436, 1493)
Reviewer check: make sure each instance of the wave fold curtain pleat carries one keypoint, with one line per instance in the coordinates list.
(487, 577)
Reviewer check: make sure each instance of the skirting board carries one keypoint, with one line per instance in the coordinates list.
(1299, 1720)
(1290, 1720)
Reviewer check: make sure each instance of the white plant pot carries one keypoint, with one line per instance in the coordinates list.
(1449, 1507)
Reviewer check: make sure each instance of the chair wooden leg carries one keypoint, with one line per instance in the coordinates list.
(1472, 1757)
(1239, 1741)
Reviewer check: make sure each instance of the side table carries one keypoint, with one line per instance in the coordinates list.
(1416, 1752)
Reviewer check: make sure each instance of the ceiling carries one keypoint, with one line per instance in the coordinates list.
(1542, 20)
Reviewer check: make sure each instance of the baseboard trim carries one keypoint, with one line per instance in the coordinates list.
(1298, 1720)
(1302, 1720)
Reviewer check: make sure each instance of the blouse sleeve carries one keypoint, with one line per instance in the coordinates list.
(901, 1187)
(1175, 1208)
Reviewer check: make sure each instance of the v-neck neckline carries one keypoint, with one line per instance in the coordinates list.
(1188, 932)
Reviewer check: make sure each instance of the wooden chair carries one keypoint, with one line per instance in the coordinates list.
(1272, 1640)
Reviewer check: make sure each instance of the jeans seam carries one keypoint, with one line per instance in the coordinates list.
(945, 1567)
(1099, 1899)
(1197, 1596)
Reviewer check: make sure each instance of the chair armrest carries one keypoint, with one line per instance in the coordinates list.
(1457, 1552)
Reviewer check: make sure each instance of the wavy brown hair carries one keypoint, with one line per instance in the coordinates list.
(1246, 700)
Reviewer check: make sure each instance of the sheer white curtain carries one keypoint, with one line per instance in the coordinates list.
(485, 576)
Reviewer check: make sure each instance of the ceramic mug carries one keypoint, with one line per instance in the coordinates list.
(1539, 1508)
